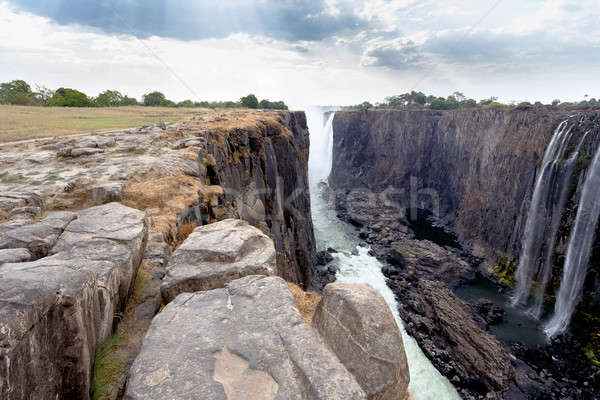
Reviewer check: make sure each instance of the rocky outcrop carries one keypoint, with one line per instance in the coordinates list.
(246, 340)
(263, 170)
(216, 254)
(55, 312)
(357, 324)
(472, 359)
(39, 237)
(422, 259)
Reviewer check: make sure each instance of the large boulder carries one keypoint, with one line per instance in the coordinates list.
(244, 341)
(357, 324)
(55, 312)
(216, 254)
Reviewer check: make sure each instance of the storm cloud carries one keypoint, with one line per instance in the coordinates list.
(191, 20)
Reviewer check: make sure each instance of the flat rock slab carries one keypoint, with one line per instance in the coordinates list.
(357, 324)
(244, 341)
(216, 254)
(38, 237)
(56, 311)
(14, 255)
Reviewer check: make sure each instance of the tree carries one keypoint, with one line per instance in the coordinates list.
(186, 104)
(17, 92)
(154, 99)
(65, 97)
(365, 105)
(43, 94)
(555, 102)
(272, 105)
(109, 98)
(249, 101)
(129, 101)
(459, 96)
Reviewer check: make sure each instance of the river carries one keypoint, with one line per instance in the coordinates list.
(356, 265)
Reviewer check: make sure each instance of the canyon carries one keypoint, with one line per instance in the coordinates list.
(462, 183)
(214, 227)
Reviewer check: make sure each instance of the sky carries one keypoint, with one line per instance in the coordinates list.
(329, 52)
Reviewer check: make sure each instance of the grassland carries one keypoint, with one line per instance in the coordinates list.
(21, 123)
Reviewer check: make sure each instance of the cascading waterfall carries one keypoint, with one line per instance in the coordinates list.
(535, 225)
(578, 252)
(356, 265)
(563, 185)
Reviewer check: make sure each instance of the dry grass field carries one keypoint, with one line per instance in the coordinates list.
(24, 122)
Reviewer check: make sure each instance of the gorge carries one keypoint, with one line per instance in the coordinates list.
(429, 224)
(509, 184)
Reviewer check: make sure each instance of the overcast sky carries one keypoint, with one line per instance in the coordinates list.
(306, 52)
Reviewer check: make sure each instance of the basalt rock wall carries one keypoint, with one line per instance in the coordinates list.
(263, 173)
(476, 168)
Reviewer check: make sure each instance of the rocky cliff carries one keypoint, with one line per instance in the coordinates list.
(468, 176)
(476, 168)
(262, 169)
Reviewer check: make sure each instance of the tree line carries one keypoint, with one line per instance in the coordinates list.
(457, 100)
(19, 92)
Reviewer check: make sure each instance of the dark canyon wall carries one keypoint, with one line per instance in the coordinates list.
(263, 171)
(480, 164)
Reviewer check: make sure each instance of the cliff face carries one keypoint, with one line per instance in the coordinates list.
(476, 168)
(263, 172)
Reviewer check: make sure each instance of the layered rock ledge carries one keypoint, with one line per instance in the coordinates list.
(56, 311)
(216, 254)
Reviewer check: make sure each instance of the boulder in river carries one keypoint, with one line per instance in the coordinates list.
(358, 325)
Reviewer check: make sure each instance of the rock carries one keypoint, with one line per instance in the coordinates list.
(492, 313)
(120, 231)
(55, 312)
(11, 200)
(324, 258)
(216, 254)
(78, 151)
(39, 237)
(157, 253)
(452, 340)
(107, 192)
(425, 259)
(244, 341)
(14, 255)
(272, 171)
(358, 325)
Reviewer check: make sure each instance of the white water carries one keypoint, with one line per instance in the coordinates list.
(578, 252)
(563, 187)
(356, 265)
(533, 237)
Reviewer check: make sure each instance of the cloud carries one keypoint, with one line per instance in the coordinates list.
(191, 20)
(499, 51)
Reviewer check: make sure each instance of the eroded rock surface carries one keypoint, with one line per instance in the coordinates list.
(357, 324)
(38, 237)
(216, 254)
(442, 324)
(56, 311)
(245, 338)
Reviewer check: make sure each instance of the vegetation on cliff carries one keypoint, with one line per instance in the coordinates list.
(457, 100)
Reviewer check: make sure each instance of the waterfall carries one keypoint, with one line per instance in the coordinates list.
(578, 252)
(535, 226)
(356, 265)
(563, 187)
